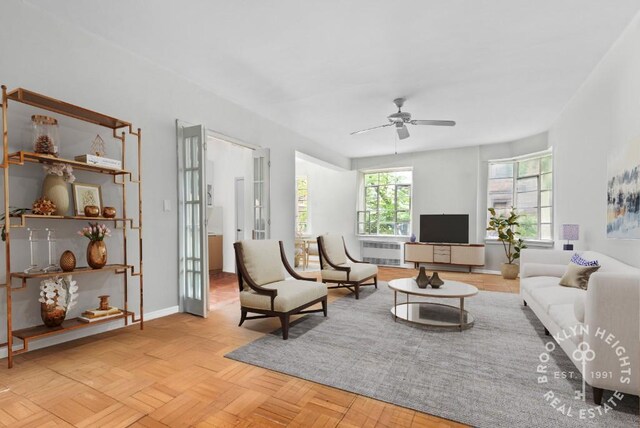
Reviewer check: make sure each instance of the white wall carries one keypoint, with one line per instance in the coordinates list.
(85, 70)
(603, 115)
(226, 163)
(332, 199)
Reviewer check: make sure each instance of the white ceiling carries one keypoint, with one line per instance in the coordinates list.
(503, 69)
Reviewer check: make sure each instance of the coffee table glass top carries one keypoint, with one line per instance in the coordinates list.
(450, 289)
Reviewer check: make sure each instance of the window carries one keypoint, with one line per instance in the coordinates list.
(526, 184)
(302, 206)
(387, 203)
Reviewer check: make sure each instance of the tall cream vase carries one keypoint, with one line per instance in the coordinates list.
(55, 188)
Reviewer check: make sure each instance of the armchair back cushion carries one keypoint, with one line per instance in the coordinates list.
(334, 248)
(262, 261)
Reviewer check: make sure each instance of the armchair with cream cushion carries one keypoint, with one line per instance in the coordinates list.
(265, 290)
(338, 267)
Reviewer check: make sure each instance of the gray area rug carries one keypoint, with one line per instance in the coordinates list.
(484, 376)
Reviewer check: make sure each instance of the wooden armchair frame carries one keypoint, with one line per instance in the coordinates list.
(354, 286)
(245, 278)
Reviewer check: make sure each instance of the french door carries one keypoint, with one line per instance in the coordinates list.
(192, 229)
(261, 208)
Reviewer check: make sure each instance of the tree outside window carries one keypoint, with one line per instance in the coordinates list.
(302, 206)
(387, 203)
(525, 184)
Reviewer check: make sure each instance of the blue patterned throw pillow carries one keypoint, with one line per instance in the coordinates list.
(578, 260)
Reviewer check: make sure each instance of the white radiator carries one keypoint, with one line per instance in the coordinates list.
(383, 253)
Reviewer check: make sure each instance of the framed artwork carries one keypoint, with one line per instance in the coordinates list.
(86, 194)
(623, 192)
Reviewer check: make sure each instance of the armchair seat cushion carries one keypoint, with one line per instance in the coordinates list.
(359, 271)
(291, 294)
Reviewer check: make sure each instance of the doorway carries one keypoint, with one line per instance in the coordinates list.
(237, 175)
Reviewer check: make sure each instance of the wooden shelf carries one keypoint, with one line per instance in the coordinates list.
(19, 158)
(24, 217)
(77, 271)
(41, 101)
(41, 331)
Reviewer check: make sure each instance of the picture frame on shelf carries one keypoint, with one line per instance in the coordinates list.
(86, 194)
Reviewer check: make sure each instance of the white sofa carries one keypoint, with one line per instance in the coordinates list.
(611, 303)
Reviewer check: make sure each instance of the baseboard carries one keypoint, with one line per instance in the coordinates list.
(487, 271)
(89, 331)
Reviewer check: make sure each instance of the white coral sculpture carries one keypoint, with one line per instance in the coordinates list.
(65, 289)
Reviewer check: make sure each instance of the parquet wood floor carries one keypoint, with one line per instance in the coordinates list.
(174, 374)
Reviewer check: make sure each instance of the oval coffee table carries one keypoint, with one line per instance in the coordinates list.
(429, 313)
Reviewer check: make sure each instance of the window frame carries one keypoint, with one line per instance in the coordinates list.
(363, 215)
(516, 161)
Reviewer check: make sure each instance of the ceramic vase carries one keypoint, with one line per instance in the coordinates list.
(435, 280)
(96, 254)
(56, 190)
(52, 315)
(413, 237)
(423, 279)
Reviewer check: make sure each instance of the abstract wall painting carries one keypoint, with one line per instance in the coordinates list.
(623, 192)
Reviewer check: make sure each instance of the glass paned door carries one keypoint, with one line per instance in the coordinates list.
(192, 231)
(261, 214)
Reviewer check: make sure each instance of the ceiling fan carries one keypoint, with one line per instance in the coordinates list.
(401, 118)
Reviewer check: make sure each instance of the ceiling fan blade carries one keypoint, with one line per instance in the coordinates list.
(371, 129)
(403, 132)
(433, 122)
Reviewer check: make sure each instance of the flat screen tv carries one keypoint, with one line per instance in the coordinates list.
(444, 228)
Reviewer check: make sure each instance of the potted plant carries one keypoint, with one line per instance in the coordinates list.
(507, 232)
(96, 250)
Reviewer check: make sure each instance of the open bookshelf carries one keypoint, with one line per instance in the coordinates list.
(128, 224)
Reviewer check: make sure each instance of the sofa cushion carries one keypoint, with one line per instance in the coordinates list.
(609, 264)
(580, 261)
(578, 306)
(577, 276)
(566, 320)
(534, 282)
(291, 294)
(263, 262)
(334, 247)
(359, 271)
(556, 295)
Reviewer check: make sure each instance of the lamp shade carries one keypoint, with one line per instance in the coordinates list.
(570, 232)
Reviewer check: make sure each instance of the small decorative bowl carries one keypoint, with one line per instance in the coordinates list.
(109, 212)
(91, 211)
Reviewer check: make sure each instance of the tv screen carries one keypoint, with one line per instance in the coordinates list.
(444, 228)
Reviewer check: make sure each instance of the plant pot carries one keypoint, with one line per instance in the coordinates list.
(510, 270)
(52, 315)
(96, 254)
(56, 190)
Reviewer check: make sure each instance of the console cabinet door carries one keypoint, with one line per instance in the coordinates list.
(442, 254)
(418, 253)
(468, 256)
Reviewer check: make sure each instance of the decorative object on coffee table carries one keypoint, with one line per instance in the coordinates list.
(506, 230)
(569, 232)
(68, 261)
(45, 134)
(435, 280)
(108, 212)
(54, 186)
(86, 194)
(91, 211)
(57, 296)
(43, 206)
(423, 279)
(97, 249)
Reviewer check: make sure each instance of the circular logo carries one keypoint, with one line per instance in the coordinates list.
(589, 347)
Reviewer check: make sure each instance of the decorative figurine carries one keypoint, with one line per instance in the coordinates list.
(68, 261)
(97, 146)
(435, 281)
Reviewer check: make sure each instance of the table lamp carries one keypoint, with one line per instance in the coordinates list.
(570, 232)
